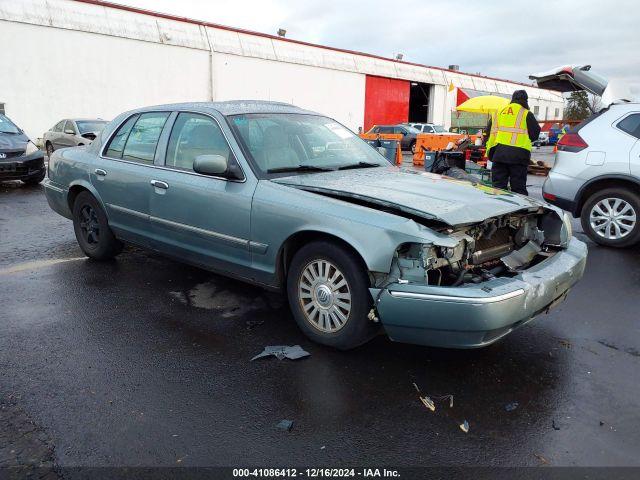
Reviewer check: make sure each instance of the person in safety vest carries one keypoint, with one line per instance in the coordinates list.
(510, 149)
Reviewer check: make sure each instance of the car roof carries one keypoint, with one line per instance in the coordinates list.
(232, 107)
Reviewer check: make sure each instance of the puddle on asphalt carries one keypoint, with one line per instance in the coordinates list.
(21, 267)
(212, 296)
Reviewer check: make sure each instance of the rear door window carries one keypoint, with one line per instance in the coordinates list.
(192, 135)
(142, 139)
(118, 141)
(631, 124)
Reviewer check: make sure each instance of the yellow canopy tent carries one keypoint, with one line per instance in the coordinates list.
(483, 104)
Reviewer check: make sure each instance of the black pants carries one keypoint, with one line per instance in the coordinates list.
(503, 174)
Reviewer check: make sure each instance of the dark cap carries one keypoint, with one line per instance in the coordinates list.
(519, 95)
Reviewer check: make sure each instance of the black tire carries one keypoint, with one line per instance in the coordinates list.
(49, 149)
(632, 199)
(357, 328)
(35, 180)
(412, 147)
(92, 229)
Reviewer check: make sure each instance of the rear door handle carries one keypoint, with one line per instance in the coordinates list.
(159, 184)
(100, 172)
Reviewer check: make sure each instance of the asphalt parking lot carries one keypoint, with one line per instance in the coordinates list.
(144, 361)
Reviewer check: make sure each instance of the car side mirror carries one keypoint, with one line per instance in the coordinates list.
(70, 132)
(210, 164)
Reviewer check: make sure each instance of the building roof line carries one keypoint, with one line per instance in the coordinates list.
(203, 23)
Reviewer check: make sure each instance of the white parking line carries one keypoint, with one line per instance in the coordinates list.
(21, 267)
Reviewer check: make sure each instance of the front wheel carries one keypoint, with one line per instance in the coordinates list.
(611, 217)
(412, 147)
(92, 229)
(329, 297)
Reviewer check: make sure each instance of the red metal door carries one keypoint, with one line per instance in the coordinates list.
(386, 101)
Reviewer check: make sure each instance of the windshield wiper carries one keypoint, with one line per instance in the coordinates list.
(299, 168)
(359, 165)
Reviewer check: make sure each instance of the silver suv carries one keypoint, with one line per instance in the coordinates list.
(596, 175)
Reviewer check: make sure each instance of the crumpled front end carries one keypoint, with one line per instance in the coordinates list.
(501, 274)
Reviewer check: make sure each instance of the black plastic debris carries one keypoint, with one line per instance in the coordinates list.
(285, 425)
(510, 407)
(282, 351)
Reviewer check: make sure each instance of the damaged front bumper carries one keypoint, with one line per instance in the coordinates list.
(476, 315)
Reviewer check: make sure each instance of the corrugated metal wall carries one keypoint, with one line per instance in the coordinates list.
(183, 58)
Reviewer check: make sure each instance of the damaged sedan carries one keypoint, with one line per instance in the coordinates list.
(294, 201)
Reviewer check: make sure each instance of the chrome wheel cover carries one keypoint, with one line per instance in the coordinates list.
(324, 295)
(612, 218)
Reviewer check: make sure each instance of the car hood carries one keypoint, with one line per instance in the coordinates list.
(426, 195)
(13, 141)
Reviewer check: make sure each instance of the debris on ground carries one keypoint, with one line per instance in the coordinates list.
(541, 458)
(555, 425)
(601, 423)
(285, 425)
(253, 323)
(464, 426)
(510, 407)
(283, 351)
(565, 343)
(428, 402)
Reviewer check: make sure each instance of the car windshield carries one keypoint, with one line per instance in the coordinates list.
(7, 126)
(439, 129)
(279, 143)
(95, 126)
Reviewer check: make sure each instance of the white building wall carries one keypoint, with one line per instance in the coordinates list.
(82, 59)
(57, 74)
(332, 92)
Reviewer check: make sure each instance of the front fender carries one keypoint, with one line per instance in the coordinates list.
(279, 212)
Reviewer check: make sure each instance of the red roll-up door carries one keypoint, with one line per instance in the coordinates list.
(386, 101)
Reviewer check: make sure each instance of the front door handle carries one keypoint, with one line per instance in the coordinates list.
(100, 172)
(159, 184)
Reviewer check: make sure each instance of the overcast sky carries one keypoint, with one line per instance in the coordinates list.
(506, 39)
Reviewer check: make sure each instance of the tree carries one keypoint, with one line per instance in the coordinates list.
(577, 106)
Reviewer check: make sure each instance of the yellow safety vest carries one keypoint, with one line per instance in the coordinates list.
(491, 139)
(512, 127)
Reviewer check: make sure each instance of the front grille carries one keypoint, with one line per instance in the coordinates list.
(4, 155)
(14, 168)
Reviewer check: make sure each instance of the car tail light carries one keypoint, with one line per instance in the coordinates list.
(571, 142)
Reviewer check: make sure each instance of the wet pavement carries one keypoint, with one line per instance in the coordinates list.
(144, 361)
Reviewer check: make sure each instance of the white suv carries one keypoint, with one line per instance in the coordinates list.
(596, 175)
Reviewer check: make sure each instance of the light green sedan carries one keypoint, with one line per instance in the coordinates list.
(292, 200)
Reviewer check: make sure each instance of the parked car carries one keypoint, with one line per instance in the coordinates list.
(543, 139)
(596, 175)
(72, 133)
(253, 190)
(429, 128)
(408, 133)
(20, 158)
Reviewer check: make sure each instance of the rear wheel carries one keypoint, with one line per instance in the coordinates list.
(329, 297)
(611, 217)
(92, 229)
